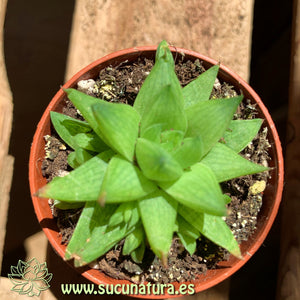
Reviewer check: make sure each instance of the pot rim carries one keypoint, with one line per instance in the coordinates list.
(36, 181)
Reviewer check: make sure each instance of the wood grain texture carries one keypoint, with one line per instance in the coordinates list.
(220, 29)
(289, 271)
(6, 161)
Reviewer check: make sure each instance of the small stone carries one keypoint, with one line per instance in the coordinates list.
(217, 84)
(85, 85)
(244, 223)
(258, 187)
(94, 265)
(62, 173)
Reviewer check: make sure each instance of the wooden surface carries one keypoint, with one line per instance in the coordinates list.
(6, 161)
(289, 270)
(220, 29)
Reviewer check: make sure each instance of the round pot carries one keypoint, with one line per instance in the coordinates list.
(271, 198)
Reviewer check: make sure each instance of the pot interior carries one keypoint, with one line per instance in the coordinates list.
(271, 197)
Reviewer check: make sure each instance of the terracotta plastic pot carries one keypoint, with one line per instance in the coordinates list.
(271, 198)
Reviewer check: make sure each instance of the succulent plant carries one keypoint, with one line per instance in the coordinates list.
(146, 172)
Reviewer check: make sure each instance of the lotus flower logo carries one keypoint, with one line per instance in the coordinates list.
(30, 278)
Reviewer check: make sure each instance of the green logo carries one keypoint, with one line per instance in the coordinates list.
(30, 278)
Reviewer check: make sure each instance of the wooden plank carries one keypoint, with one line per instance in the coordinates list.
(289, 270)
(220, 29)
(6, 161)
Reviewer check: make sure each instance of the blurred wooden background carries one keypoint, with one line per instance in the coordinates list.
(44, 43)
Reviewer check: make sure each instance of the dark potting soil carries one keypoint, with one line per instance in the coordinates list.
(121, 84)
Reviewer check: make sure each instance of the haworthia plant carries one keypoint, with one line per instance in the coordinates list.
(145, 172)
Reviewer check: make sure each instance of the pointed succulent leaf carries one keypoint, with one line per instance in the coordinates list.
(210, 119)
(158, 212)
(163, 53)
(93, 220)
(161, 75)
(67, 127)
(155, 162)
(82, 156)
(200, 89)
(67, 205)
(107, 155)
(78, 157)
(133, 240)
(212, 227)
(72, 160)
(123, 181)
(167, 109)
(135, 215)
(100, 244)
(118, 216)
(138, 254)
(93, 239)
(190, 151)
(186, 228)
(153, 133)
(171, 139)
(160, 98)
(90, 141)
(126, 212)
(187, 234)
(119, 126)
(188, 242)
(81, 184)
(197, 189)
(226, 198)
(84, 104)
(240, 133)
(226, 164)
